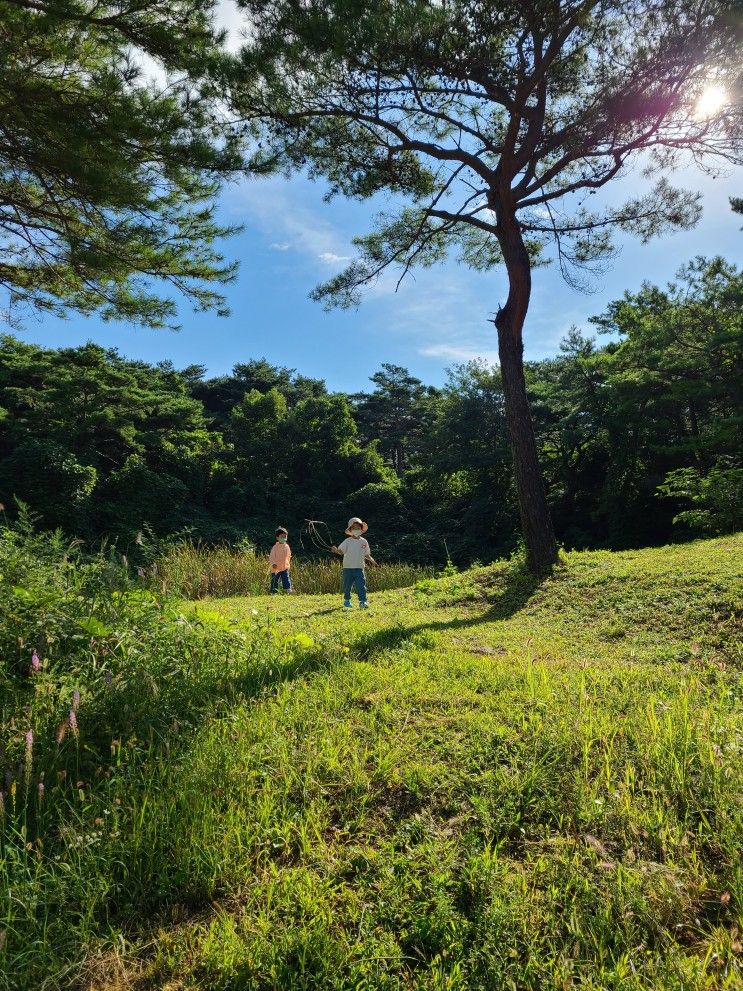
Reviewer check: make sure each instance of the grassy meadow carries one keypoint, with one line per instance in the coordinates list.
(197, 571)
(483, 782)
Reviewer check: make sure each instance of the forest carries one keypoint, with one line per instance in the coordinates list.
(639, 424)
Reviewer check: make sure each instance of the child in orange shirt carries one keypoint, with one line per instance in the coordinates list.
(280, 561)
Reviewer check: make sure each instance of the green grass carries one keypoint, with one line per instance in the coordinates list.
(483, 782)
(197, 571)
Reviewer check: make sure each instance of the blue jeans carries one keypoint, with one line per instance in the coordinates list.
(351, 577)
(285, 580)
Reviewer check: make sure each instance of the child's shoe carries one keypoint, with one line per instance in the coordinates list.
(347, 604)
(363, 605)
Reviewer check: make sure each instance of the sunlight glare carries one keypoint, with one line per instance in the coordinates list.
(712, 99)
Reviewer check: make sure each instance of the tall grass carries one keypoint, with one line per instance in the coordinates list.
(102, 685)
(195, 571)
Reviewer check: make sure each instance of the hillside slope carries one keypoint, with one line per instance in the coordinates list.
(493, 784)
(480, 783)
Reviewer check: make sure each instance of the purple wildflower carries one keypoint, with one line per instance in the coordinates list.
(35, 662)
(29, 745)
(72, 721)
(75, 700)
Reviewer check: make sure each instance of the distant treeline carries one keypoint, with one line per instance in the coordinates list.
(634, 434)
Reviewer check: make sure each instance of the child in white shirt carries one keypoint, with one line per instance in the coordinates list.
(356, 553)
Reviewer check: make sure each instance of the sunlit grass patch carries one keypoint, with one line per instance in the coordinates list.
(407, 824)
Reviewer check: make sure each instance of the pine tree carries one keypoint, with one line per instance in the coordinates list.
(496, 121)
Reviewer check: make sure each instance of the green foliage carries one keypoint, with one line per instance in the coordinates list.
(222, 394)
(102, 684)
(717, 498)
(98, 444)
(395, 414)
(380, 501)
(489, 127)
(613, 421)
(103, 447)
(483, 123)
(464, 473)
(109, 180)
(48, 474)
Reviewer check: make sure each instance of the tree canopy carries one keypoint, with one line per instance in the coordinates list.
(108, 178)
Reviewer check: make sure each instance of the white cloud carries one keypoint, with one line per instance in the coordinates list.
(276, 208)
(227, 15)
(445, 312)
(152, 70)
(332, 259)
(455, 353)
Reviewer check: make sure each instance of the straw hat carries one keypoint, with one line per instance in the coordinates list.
(355, 521)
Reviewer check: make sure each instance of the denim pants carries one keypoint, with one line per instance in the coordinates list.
(285, 580)
(351, 577)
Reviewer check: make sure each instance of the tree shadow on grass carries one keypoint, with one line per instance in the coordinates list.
(504, 600)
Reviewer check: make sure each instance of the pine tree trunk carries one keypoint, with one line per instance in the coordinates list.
(536, 521)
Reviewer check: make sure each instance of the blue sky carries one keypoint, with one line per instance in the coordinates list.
(292, 240)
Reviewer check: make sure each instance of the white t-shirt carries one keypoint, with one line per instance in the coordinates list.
(355, 549)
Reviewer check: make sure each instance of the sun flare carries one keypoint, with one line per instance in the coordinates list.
(712, 99)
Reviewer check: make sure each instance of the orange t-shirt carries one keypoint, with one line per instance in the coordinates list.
(280, 557)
